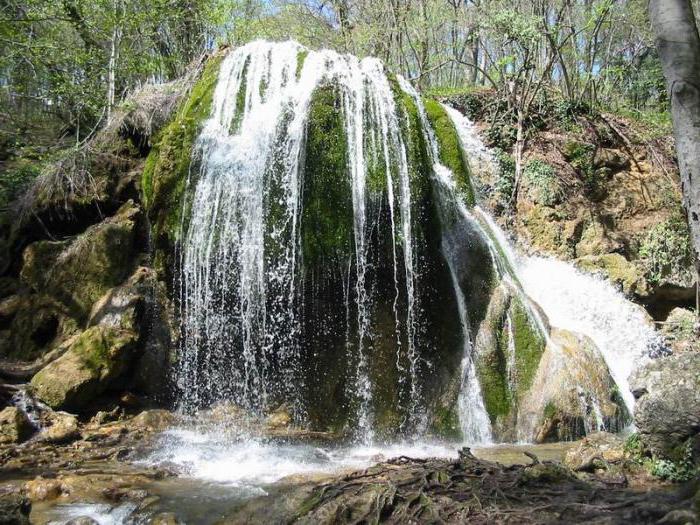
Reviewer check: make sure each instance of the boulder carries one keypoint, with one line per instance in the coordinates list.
(153, 420)
(14, 507)
(61, 427)
(96, 358)
(141, 304)
(572, 394)
(611, 159)
(595, 451)
(78, 272)
(280, 418)
(165, 518)
(667, 413)
(613, 266)
(41, 489)
(596, 239)
(15, 427)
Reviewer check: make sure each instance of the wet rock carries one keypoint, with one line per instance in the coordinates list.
(618, 270)
(679, 331)
(15, 427)
(154, 420)
(61, 428)
(14, 507)
(78, 272)
(83, 520)
(93, 362)
(40, 489)
(572, 393)
(165, 518)
(598, 450)
(280, 418)
(667, 413)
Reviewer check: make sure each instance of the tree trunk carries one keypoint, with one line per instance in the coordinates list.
(678, 44)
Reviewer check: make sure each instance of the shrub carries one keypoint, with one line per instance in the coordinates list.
(542, 183)
(15, 180)
(505, 176)
(665, 250)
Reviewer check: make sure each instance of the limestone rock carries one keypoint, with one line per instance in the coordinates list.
(618, 270)
(78, 272)
(165, 518)
(61, 427)
(90, 366)
(14, 507)
(612, 159)
(280, 418)
(597, 450)
(572, 394)
(156, 420)
(667, 413)
(83, 520)
(596, 239)
(40, 489)
(15, 427)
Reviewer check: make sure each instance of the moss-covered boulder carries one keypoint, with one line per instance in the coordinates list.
(15, 427)
(508, 347)
(572, 393)
(31, 325)
(613, 266)
(94, 361)
(77, 272)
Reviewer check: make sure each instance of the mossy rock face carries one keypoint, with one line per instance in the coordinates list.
(93, 361)
(78, 272)
(32, 325)
(572, 393)
(15, 427)
(170, 164)
(618, 270)
(450, 148)
(508, 348)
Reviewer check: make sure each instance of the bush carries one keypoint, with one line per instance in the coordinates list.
(665, 250)
(14, 181)
(542, 183)
(505, 176)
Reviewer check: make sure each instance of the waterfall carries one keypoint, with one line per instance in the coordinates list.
(569, 298)
(242, 263)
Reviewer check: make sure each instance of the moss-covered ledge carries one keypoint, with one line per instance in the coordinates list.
(451, 153)
(168, 165)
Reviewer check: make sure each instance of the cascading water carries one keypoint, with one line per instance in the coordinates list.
(246, 265)
(570, 298)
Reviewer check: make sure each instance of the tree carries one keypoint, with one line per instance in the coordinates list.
(678, 44)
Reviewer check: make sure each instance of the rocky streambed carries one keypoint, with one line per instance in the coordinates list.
(104, 471)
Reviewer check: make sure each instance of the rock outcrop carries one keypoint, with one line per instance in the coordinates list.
(667, 413)
(15, 427)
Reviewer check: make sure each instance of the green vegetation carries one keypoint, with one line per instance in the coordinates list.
(529, 346)
(505, 176)
(168, 166)
(327, 219)
(665, 250)
(678, 470)
(580, 156)
(450, 149)
(301, 59)
(16, 179)
(542, 183)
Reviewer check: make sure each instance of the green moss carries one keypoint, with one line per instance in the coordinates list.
(301, 58)
(167, 168)
(529, 346)
(239, 111)
(327, 218)
(550, 410)
(493, 378)
(450, 149)
(95, 347)
(446, 424)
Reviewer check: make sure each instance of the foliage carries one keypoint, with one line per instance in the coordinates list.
(665, 249)
(542, 183)
(680, 470)
(15, 180)
(505, 175)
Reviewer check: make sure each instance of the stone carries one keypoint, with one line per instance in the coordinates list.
(597, 450)
(83, 520)
(613, 266)
(93, 362)
(280, 418)
(61, 427)
(165, 518)
(15, 426)
(78, 272)
(667, 412)
(596, 239)
(41, 489)
(612, 159)
(155, 420)
(14, 507)
(572, 389)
